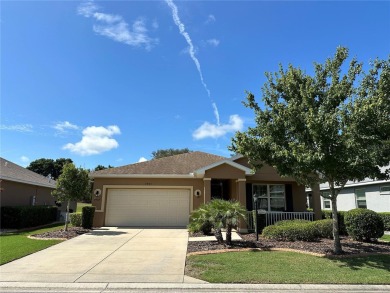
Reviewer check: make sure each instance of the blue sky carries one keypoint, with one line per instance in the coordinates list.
(108, 82)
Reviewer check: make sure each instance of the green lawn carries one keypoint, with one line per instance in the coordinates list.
(288, 267)
(16, 245)
(385, 238)
(80, 206)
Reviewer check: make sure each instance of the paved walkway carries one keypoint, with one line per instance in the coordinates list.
(106, 255)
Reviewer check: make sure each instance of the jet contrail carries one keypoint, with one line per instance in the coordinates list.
(180, 25)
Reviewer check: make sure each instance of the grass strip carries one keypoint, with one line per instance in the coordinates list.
(16, 244)
(288, 268)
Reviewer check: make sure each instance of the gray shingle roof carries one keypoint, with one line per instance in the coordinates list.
(182, 164)
(12, 172)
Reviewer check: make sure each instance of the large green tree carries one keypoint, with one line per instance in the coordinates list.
(332, 126)
(169, 152)
(49, 167)
(102, 167)
(72, 185)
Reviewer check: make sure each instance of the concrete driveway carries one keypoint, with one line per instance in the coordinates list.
(106, 255)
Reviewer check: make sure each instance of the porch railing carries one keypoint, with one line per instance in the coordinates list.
(270, 218)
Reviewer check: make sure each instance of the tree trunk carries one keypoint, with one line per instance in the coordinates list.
(67, 215)
(336, 232)
(229, 235)
(218, 235)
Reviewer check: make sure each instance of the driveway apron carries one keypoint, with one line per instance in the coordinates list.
(106, 255)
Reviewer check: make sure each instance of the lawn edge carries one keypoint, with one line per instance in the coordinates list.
(287, 250)
(45, 239)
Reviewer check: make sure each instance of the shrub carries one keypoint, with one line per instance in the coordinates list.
(386, 220)
(87, 217)
(75, 219)
(323, 228)
(364, 224)
(340, 214)
(292, 230)
(200, 220)
(27, 216)
(289, 222)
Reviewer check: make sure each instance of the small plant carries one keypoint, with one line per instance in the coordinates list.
(323, 228)
(219, 214)
(364, 224)
(75, 219)
(386, 219)
(340, 215)
(87, 217)
(200, 221)
(291, 230)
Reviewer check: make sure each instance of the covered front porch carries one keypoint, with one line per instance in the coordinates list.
(276, 198)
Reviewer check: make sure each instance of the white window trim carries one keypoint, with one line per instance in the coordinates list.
(356, 198)
(325, 200)
(269, 194)
(387, 192)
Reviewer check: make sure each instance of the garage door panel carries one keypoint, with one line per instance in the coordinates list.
(147, 207)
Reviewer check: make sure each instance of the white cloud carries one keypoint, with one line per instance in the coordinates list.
(191, 51)
(213, 42)
(116, 28)
(210, 19)
(186, 50)
(64, 126)
(207, 129)
(142, 159)
(17, 127)
(24, 159)
(95, 140)
(155, 24)
(87, 9)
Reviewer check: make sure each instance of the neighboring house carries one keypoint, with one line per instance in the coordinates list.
(22, 187)
(163, 192)
(370, 194)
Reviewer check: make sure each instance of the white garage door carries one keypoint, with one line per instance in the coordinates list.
(148, 207)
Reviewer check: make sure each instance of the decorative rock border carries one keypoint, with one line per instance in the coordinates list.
(41, 238)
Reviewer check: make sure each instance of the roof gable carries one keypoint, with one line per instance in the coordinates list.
(12, 172)
(201, 171)
(182, 165)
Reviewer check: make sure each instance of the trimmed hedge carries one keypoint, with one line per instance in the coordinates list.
(326, 214)
(75, 219)
(324, 228)
(27, 216)
(386, 220)
(364, 224)
(291, 230)
(87, 217)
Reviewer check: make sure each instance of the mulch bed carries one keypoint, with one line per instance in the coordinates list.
(62, 234)
(323, 246)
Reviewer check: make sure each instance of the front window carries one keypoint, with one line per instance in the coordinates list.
(271, 197)
(361, 198)
(326, 203)
(385, 190)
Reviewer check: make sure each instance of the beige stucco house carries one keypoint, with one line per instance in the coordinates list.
(22, 187)
(163, 192)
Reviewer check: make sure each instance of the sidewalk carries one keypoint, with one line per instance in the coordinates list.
(180, 287)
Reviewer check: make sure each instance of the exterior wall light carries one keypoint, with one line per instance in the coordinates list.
(197, 193)
(97, 193)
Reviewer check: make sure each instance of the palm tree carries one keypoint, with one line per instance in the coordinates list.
(221, 214)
